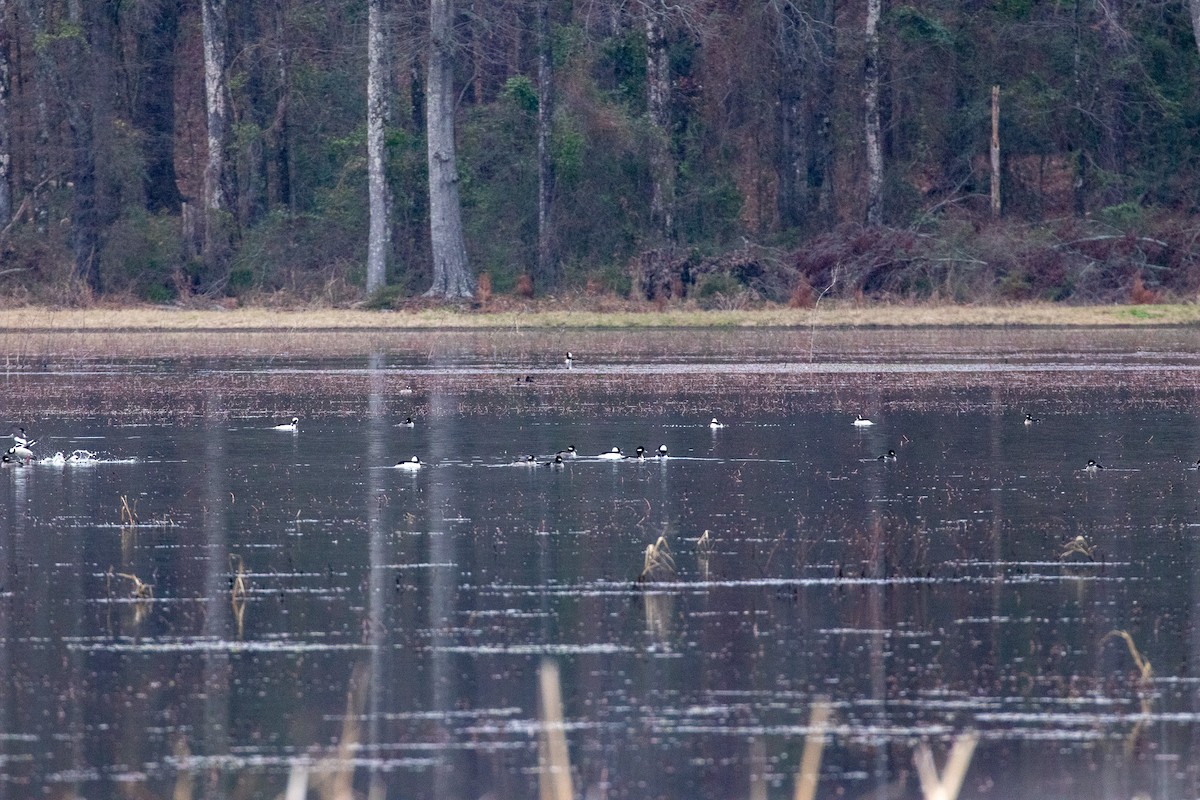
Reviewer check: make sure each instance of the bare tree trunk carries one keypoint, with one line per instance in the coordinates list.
(279, 171)
(1082, 176)
(1111, 155)
(547, 252)
(43, 86)
(1194, 8)
(658, 93)
(379, 238)
(5, 130)
(451, 275)
(217, 202)
(872, 125)
(995, 151)
(805, 89)
(155, 31)
(79, 88)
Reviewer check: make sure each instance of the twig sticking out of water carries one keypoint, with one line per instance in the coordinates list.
(758, 769)
(1078, 545)
(336, 778)
(810, 759)
(1143, 665)
(705, 543)
(657, 564)
(128, 512)
(948, 785)
(237, 584)
(554, 763)
(186, 779)
(140, 591)
(812, 332)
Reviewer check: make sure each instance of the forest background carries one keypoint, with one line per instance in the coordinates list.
(728, 153)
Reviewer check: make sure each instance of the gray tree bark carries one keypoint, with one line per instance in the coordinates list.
(1194, 8)
(872, 124)
(547, 252)
(5, 124)
(658, 95)
(379, 237)
(451, 275)
(217, 200)
(805, 88)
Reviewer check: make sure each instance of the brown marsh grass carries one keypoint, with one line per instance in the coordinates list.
(516, 316)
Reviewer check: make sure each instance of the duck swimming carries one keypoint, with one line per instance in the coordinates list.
(292, 426)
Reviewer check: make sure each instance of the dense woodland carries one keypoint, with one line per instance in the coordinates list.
(725, 152)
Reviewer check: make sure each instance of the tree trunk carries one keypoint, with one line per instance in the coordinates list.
(658, 94)
(217, 200)
(872, 124)
(153, 109)
(547, 255)
(5, 131)
(279, 170)
(1111, 153)
(1194, 7)
(79, 86)
(379, 237)
(451, 275)
(44, 82)
(1082, 177)
(995, 151)
(805, 92)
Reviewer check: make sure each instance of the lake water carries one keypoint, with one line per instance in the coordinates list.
(307, 593)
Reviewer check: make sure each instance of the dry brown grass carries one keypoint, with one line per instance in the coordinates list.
(588, 312)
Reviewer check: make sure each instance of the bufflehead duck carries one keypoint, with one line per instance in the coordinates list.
(662, 451)
(408, 423)
(714, 424)
(570, 360)
(292, 426)
(1092, 466)
(861, 421)
(556, 463)
(1030, 419)
(570, 452)
(20, 453)
(640, 453)
(615, 453)
(412, 465)
(890, 455)
(527, 461)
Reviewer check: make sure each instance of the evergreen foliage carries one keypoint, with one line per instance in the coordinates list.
(1100, 144)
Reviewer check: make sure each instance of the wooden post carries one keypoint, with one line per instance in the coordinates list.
(995, 151)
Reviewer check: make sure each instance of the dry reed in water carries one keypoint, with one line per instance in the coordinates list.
(810, 760)
(554, 764)
(335, 773)
(948, 785)
(1140, 661)
(128, 513)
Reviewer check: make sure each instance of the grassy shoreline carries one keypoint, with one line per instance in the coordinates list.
(833, 315)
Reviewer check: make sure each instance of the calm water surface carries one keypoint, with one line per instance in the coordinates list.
(404, 615)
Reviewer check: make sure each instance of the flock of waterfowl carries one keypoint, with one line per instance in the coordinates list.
(21, 451)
